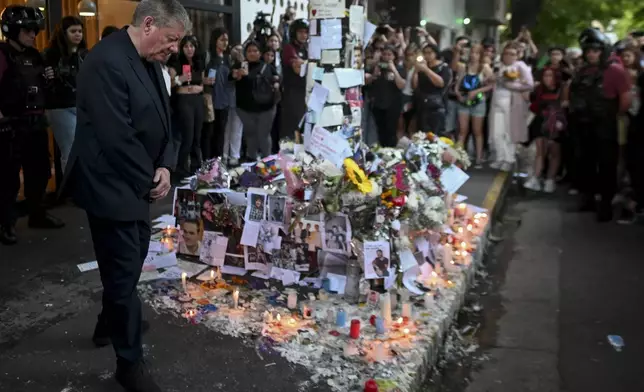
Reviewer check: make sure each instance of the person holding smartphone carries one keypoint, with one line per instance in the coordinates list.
(219, 92)
(187, 72)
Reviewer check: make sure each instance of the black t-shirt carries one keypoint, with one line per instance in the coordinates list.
(640, 85)
(427, 88)
(383, 90)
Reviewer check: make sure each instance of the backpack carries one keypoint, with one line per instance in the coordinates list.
(263, 93)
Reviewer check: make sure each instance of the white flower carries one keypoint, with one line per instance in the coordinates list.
(376, 189)
(412, 201)
(329, 169)
(395, 225)
(435, 202)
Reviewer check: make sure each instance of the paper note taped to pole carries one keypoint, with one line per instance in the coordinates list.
(327, 9)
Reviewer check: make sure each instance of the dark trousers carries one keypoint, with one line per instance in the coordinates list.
(635, 160)
(26, 147)
(598, 161)
(206, 140)
(386, 122)
(218, 132)
(275, 131)
(190, 116)
(120, 249)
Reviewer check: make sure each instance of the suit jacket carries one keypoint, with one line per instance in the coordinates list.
(122, 132)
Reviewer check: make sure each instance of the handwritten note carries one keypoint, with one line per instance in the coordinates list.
(318, 74)
(331, 116)
(453, 178)
(315, 48)
(330, 57)
(330, 82)
(356, 20)
(327, 9)
(369, 30)
(349, 77)
(329, 146)
(318, 97)
(331, 32)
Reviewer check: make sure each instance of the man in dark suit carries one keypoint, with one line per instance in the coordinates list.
(120, 162)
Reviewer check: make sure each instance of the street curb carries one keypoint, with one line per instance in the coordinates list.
(494, 202)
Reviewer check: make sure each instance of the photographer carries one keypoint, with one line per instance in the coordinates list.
(262, 30)
(285, 24)
(294, 57)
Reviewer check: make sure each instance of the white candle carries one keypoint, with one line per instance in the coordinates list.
(212, 274)
(406, 310)
(429, 300)
(184, 276)
(291, 301)
(385, 308)
(235, 298)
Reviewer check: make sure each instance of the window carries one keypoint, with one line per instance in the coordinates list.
(203, 22)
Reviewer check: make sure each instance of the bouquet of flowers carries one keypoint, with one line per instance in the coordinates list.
(212, 174)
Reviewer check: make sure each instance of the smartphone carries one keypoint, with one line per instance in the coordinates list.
(245, 65)
(212, 73)
(186, 69)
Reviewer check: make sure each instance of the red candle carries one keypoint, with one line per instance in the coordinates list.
(354, 332)
(370, 386)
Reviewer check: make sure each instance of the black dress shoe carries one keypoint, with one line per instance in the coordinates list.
(135, 377)
(8, 235)
(101, 337)
(45, 221)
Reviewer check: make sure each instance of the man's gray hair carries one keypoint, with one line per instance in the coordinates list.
(166, 13)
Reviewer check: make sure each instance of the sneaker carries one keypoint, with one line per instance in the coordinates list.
(507, 167)
(8, 234)
(549, 186)
(478, 165)
(135, 377)
(496, 165)
(533, 184)
(627, 217)
(233, 162)
(573, 192)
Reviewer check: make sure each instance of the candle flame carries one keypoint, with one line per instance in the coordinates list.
(462, 206)
(400, 320)
(291, 321)
(469, 227)
(406, 331)
(279, 317)
(463, 245)
(184, 275)
(476, 221)
(434, 274)
(450, 282)
(212, 274)
(451, 262)
(483, 215)
(460, 230)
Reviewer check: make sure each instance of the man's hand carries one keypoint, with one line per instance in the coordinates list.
(162, 179)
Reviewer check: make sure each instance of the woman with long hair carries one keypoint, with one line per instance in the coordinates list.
(187, 73)
(234, 127)
(407, 124)
(547, 127)
(473, 81)
(64, 55)
(256, 86)
(509, 111)
(387, 82)
(432, 78)
(218, 67)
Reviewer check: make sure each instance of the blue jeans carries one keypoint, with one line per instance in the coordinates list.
(63, 125)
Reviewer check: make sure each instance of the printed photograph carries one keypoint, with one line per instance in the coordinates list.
(335, 235)
(256, 207)
(190, 237)
(302, 258)
(276, 209)
(284, 257)
(335, 263)
(377, 259)
(256, 259)
(213, 248)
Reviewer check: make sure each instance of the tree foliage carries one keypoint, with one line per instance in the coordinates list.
(561, 21)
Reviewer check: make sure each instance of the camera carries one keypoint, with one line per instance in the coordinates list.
(261, 22)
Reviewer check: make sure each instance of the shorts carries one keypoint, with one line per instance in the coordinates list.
(479, 110)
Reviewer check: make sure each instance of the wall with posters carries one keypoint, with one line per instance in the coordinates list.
(249, 8)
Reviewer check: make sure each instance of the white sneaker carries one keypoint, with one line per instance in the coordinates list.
(549, 186)
(533, 184)
(496, 165)
(233, 162)
(507, 167)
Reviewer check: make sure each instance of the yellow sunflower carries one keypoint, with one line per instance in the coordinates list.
(447, 141)
(357, 176)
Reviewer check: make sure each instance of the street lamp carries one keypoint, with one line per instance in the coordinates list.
(86, 8)
(467, 21)
(423, 23)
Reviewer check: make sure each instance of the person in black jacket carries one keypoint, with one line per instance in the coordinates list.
(120, 162)
(64, 55)
(256, 86)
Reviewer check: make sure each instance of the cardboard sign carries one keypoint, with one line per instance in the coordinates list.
(327, 9)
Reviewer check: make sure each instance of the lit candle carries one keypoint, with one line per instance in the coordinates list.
(278, 319)
(385, 307)
(400, 321)
(184, 276)
(291, 301)
(191, 313)
(406, 310)
(469, 233)
(406, 332)
(291, 322)
(429, 300)
(212, 274)
(235, 298)
(306, 312)
(461, 208)
(464, 245)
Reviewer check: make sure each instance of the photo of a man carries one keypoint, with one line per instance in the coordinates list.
(380, 264)
(191, 235)
(276, 206)
(257, 205)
